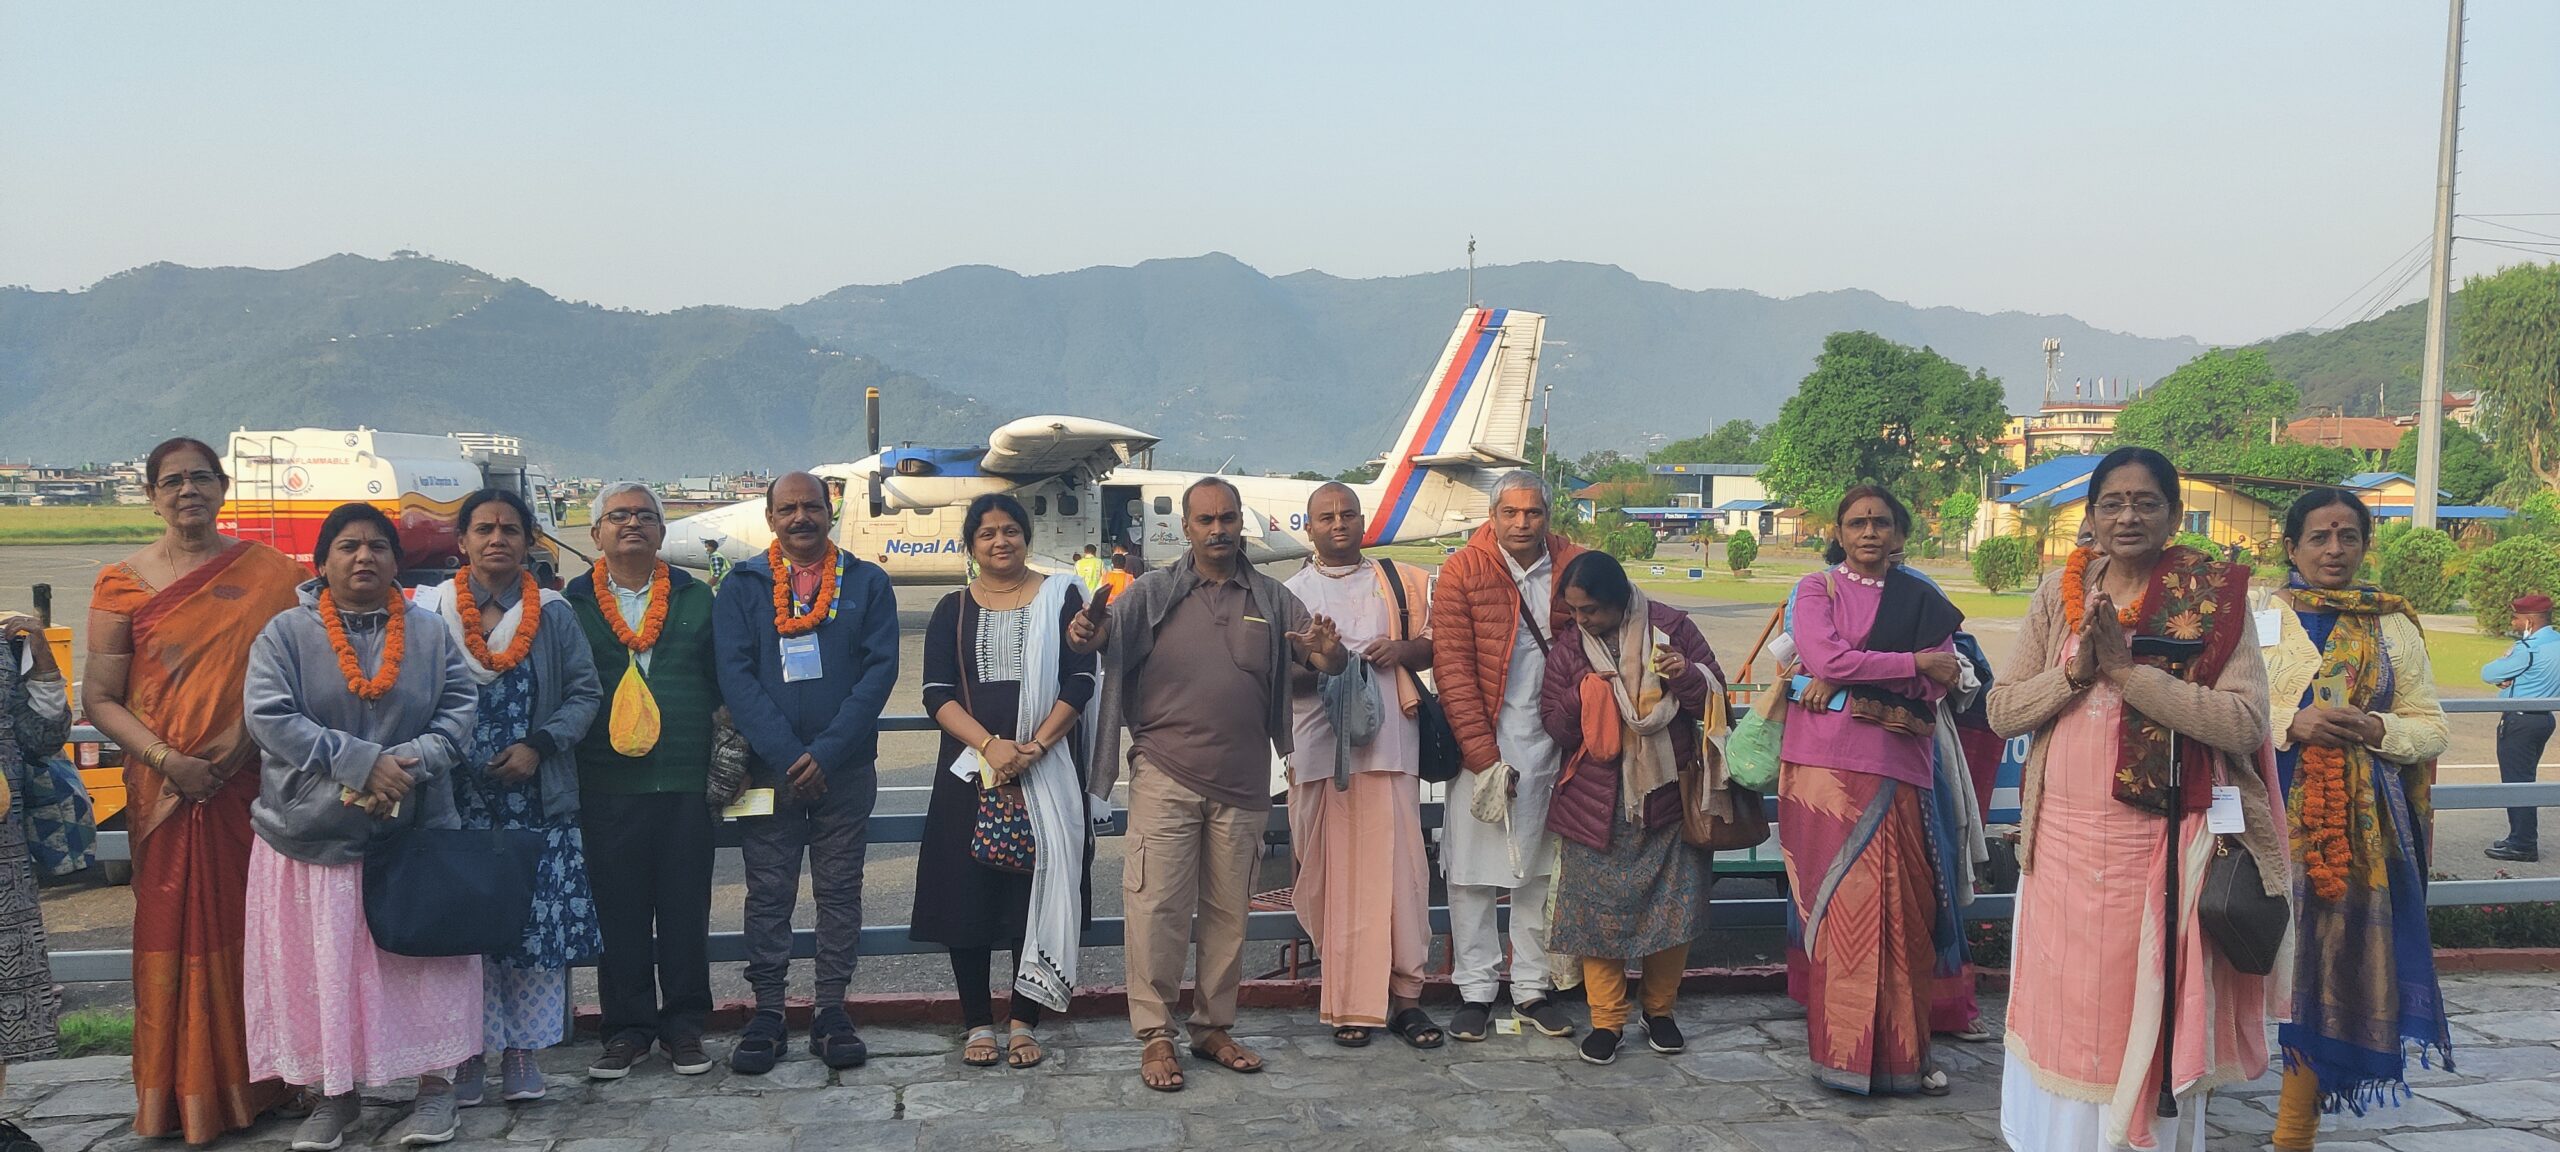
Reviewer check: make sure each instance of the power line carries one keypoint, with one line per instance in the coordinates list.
(2526, 231)
(2544, 251)
(2387, 270)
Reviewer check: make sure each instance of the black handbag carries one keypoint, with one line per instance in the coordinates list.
(451, 891)
(1442, 759)
(2236, 912)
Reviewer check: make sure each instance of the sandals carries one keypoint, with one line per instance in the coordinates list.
(1471, 1021)
(981, 1051)
(1159, 1069)
(1416, 1028)
(1025, 1050)
(1351, 1036)
(1935, 1083)
(1221, 1049)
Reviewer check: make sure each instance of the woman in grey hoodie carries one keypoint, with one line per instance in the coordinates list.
(361, 706)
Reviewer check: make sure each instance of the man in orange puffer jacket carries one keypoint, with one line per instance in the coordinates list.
(1490, 622)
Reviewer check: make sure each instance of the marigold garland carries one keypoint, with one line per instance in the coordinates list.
(476, 641)
(395, 644)
(821, 606)
(653, 620)
(2075, 592)
(2323, 820)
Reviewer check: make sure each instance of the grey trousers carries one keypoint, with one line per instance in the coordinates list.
(834, 832)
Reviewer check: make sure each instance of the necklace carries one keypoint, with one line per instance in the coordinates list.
(1855, 578)
(1331, 572)
(821, 608)
(395, 644)
(473, 640)
(653, 620)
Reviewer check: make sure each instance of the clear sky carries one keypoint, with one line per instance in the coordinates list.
(2212, 169)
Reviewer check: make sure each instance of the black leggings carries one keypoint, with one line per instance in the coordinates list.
(969, 970)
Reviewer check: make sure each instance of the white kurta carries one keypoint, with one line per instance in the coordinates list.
(1472, 851)
(1358, 605)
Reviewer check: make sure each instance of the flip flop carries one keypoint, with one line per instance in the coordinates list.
(1410, 1026)
(1351, 1036)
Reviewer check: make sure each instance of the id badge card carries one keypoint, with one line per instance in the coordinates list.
(800, 659)
(2270, 622)
(2224, 817)
(752, 802)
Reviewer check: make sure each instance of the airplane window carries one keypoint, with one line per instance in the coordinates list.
(1164, 505)
(1040, 507)
(1067, 504)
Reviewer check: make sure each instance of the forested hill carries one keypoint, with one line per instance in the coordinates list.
(423, 345)
(1313, 370)
(2345, 368)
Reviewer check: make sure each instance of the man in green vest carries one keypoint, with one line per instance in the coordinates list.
(1089, 569)
(647, 828)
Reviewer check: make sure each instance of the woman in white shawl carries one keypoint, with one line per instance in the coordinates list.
(1009, 696)
(522, 645)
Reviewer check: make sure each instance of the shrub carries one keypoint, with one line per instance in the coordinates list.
(1630, 542)
(2001, 563)
(2508, 569)
(2531, 925)
(1740, 551)
(2200, 542)
(2413, 566)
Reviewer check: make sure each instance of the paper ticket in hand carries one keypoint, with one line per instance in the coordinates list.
(752, 802)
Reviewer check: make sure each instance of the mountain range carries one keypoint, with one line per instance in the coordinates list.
(1229, 365)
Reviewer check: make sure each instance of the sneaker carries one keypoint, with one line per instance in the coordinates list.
(433, 1120)
(1545, 1015)
(1601, 1046)
(2509, 850)
(833, 1040)
(620, 1053)
(1662, 1033)
(518, 1076)
(470, 1082)
(759, 1046)
(326, 1127)
(15, 1139)
(687, 1055)
(1471, 1022)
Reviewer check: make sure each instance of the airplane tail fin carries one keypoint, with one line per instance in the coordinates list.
(1470, 426)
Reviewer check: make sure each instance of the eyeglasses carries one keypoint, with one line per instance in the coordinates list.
(633, 516)
(178, 481)
(2139, 509)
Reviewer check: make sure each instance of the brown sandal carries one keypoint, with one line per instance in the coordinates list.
(1025, 1050)
(1222, 1050)
(1159, 1068)
(981, 1051)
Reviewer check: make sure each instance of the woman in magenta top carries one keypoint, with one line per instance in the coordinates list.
(1854, 797)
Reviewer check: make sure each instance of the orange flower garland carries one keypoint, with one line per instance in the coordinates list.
(653, 621)
(2323, 820)
(395, 644)
(476, 641)
(2075, 592)
(820, 606)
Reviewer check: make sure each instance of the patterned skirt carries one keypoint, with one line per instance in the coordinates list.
(29, 1011)
(325, 1007)
(1646, 893)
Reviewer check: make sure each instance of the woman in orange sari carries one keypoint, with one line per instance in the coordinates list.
(169, 634)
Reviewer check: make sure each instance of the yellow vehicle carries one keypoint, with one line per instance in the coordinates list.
(101, 765)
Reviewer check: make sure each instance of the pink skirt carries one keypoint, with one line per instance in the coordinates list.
(326, 1008)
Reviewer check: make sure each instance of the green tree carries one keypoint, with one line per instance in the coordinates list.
(1610, 466)
(2204, 414)
(1740, 551)
(1883, 413)
(2001, 563)
(1956, 514)
(1732, 442)
(2037, 521)
(2466, 469)
(2510, 342)
(1359, 475)
(2413, 566)
(1306, 474)
(2309, 463)
(2506, 570)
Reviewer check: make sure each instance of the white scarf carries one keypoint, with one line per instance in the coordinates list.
(441, 600)
(1053, 932)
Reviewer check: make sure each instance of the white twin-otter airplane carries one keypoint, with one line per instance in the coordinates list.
(902, 507)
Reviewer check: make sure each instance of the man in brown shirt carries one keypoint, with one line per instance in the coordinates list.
(1196, 665)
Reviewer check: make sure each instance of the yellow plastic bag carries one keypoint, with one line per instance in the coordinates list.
(633, 724)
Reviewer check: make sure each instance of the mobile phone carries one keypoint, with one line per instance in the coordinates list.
(1101, 599)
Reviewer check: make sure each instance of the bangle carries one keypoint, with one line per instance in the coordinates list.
(157, 754)
(983, 744)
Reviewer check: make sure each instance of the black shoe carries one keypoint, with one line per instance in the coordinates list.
(1545, 1015)
(620, 1053)
(1663, 1034)
(15, 1139)
(1471, 1021)
(2505, 850)
(1601, 1046)
(833, 1040)
(759, 1047)
(686, 1053)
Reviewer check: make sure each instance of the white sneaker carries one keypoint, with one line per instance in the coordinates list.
(326, 1127)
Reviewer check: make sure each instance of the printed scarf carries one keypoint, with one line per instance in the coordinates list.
(2192, 597)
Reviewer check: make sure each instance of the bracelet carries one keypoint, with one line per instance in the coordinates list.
(157, 754)
(983, 744)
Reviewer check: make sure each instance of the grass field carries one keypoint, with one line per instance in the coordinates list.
(78, 524)
(97, 1032)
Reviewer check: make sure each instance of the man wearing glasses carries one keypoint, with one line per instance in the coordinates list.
(641, 808)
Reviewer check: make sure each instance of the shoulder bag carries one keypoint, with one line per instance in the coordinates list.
(451, 891)
(2236, 912)
(1442, 759)
(727, 778)
(1001, 838)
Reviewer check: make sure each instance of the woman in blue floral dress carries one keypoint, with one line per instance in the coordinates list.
(538, 693)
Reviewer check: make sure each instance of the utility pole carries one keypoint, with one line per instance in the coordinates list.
(2439, 284)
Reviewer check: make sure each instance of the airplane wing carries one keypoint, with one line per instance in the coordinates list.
(1061, 445)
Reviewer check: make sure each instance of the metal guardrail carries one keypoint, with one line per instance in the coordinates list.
(116, 965)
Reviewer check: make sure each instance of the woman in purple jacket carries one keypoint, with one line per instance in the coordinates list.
(1628, 684)
(1853, 804)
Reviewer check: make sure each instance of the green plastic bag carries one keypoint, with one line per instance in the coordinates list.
(1751, 753)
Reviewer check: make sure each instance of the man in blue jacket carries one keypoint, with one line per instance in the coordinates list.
(806, 658)
(2529, 670)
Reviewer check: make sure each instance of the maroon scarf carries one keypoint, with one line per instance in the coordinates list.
(2192, 597)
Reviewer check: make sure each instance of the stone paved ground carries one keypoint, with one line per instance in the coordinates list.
(1741, 1087)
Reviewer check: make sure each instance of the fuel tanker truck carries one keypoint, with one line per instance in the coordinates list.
(283, 484)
